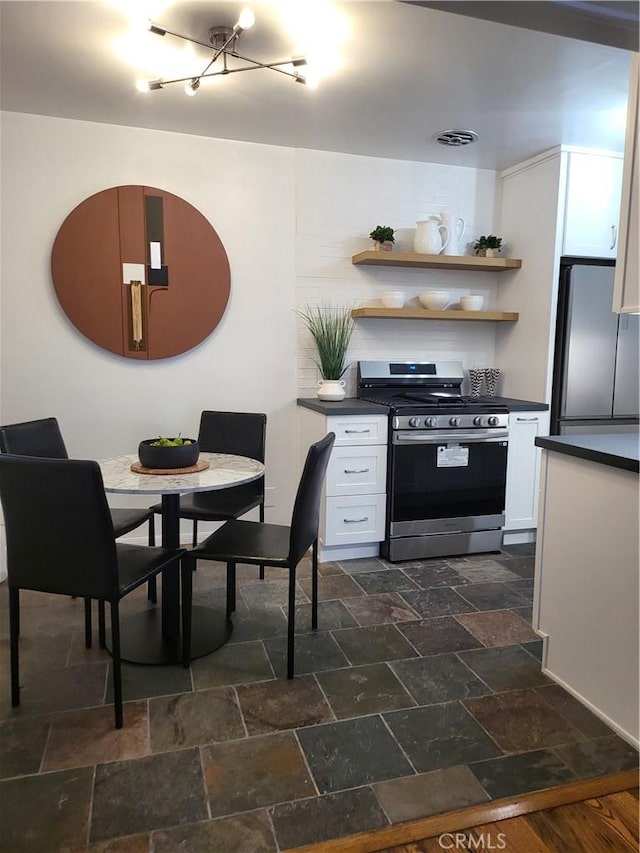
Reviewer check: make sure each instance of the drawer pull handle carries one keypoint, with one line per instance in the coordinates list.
(355, 520)
(614, 237)
(350, 431)
(356, 470)
(527, 420)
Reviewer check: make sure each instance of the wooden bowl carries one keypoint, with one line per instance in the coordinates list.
(182, 456)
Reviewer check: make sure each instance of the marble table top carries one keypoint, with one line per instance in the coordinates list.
(224, 470)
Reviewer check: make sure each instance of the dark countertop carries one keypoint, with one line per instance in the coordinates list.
(353, 406)
(618, 450)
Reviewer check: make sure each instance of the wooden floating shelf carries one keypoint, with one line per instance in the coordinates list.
(451, 262)
(423, 314)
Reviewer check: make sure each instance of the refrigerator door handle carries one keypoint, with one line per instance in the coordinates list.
(614, 237)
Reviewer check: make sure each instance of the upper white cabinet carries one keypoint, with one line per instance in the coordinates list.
(592, 213)
(626, 296)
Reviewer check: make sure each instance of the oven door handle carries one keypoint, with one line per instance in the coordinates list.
(476, 437)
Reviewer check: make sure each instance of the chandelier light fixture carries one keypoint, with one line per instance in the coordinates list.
(223, 41)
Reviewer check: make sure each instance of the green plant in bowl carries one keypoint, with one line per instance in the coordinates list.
(168, 453)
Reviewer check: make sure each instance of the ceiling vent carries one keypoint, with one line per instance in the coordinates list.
(456, 138)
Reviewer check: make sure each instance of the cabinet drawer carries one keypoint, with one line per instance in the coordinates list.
(358, 429)
(357, 470)
(354, 518)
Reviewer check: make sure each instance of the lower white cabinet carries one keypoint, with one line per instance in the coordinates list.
(353, 509)
(523, 469)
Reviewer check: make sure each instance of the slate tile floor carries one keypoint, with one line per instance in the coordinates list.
(421, 692)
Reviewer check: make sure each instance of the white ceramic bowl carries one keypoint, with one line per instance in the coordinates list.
(434, 300)
(393, 298)
(471, 303)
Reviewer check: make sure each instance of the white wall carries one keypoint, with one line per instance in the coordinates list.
(340, 198)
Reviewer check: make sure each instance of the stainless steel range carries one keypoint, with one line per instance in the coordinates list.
(447, 460)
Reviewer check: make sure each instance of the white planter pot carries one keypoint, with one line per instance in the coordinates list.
(331, 390)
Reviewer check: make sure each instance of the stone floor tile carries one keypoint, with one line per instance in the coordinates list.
(374, 644)
(22, 745)
(244, 833)
(519, 774)
(273, 771)
(142, 682)
(429, 603)
(274, 706)
(525, 613)
(379, 609)
(524, 567)
(388, 580)
(505, 667)
(486, 571)
(599, 757)
(258, 625)
(440, 736)
(429, 793)
(498, 627)
(360, 690)
(332, 615)
(322, 818)
(520, 721)
(147, 793)
(524, 587)
(362, 564)
(45, 813)
(574, 711)
(491, 596)
(435, 636)
(260, 595)
(524, 549)
(89, 736)
(434, 573)
(52, 690)
(191, 719)
(235, 663)
(351, 753)
(534, 648)
(313, 653)
(332, 587)
(37, 653)
(130, 844)
(440, 678)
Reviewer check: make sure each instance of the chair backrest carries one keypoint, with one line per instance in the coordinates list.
(58, 526)
(241, 433)
(306, 509)
(33, 438)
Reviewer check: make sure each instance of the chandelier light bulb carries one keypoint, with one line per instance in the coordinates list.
(246, 20)
(192, 87)
(143, 86)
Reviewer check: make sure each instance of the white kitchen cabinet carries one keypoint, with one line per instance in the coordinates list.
(523, 469)
(592, 212)
(353, 508)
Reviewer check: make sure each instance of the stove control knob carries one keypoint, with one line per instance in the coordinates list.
(430, 422)
(414, 422)
(454, 421)
(493, 420)
(477, 421)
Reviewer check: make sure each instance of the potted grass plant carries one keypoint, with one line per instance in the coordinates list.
(383, 237)
(331, 327)
(488, 247)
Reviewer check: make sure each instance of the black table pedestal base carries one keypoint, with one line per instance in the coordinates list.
(141, 639)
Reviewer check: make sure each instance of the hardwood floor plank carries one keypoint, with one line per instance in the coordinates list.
(620, 813)
(580, 826)
(513, 835)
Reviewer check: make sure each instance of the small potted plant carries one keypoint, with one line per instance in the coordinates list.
(488, 247)
(383, 239)
(331, 327)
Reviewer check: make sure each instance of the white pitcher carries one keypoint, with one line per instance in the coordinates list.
(429, 239)
(456, 226)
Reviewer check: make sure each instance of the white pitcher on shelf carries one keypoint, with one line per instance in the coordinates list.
(429, 239)
(456, 227)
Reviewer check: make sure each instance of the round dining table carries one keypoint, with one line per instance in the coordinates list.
(153, 635)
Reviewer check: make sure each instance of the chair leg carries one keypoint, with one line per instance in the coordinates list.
(116, 663)
(102, 635)
(261, 511)
(186, 580)
(291, 619)
(14, 624)
(87, 623)
(152, 587)
(231, 588)
(194, 538)
(314, 584)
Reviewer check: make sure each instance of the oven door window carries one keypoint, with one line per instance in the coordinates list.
(423, 489)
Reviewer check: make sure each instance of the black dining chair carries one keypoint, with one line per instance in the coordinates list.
(75, 550)
(257, 543)
(43, 438)
(239, 433)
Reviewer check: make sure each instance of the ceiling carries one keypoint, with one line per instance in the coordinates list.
(408, 72)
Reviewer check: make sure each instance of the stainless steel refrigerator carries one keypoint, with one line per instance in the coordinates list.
(596, 377)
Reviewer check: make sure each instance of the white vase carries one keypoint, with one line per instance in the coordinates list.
(331, 390)
(429, 239)
(456, 227)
